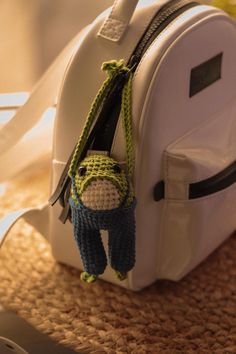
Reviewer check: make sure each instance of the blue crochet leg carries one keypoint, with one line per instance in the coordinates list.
(91, 249)
(122, 246)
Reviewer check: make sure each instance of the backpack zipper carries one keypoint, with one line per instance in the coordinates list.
(111, 108)
(102, 134)
(161, 20)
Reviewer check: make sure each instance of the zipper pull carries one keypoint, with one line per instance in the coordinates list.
(133, 62)
(65, 214)
(61, 188)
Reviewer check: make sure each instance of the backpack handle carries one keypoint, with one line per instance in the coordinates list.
(118, 20)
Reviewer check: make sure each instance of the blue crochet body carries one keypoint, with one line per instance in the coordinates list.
(120, 223)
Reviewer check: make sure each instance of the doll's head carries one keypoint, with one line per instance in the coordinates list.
(101, 183)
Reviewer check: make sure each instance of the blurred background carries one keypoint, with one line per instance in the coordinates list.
(33, 32)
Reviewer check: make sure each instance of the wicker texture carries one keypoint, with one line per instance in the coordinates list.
(194, 316)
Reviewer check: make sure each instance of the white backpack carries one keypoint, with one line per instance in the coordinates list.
(183, 56)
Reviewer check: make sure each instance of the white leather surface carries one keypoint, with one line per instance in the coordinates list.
(117, 21)
(205, 150)
(194, 228)
(169, 113)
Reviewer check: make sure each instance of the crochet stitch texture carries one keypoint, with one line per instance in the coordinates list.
(119, 221)
(120, 224)
(102, 197)
(102, 167)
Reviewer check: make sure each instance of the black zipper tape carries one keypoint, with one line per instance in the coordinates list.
(211, 185)
(214, 184)
(159, 191)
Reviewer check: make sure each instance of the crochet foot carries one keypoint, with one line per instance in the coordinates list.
(88, 278)
(121, 276)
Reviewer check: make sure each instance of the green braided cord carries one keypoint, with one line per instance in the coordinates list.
(127, 124)
(112, 68)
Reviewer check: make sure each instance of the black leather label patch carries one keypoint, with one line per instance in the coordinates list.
(205, 74)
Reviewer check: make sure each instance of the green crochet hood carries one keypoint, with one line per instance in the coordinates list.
(101, 167)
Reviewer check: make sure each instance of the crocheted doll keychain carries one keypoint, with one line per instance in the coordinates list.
(102, 196)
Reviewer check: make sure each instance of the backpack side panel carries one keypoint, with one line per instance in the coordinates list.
(168, 113)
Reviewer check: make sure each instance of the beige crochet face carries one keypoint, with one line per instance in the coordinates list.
(101, 183)
(101, 195)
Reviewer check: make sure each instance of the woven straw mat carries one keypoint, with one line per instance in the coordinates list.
(196, 315)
